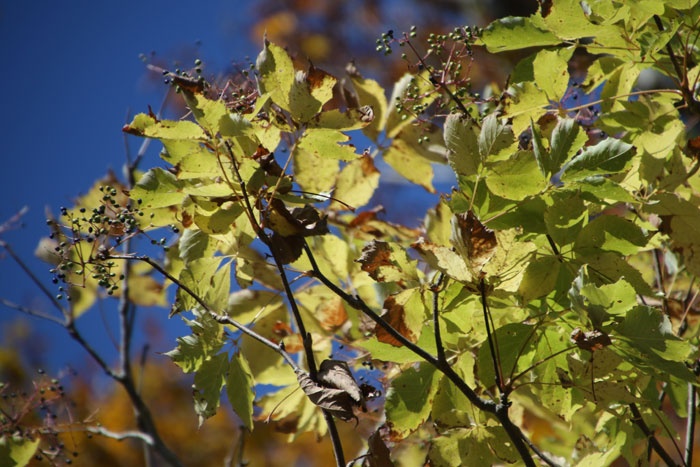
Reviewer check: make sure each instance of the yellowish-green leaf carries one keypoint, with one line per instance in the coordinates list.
(461, 140)
(239, 388)
(356, 184)
(369, 92)
(516, 178)
(276, 74)
(330, 144)
(145, 125)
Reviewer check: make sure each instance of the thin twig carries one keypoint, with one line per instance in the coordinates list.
(34, 279)
(120, 436)
(489, 336)
(29, 311)
(653, 442)
(436, 321)
(690, 425)
(217, 317)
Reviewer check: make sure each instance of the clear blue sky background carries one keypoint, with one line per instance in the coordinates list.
(71, 71)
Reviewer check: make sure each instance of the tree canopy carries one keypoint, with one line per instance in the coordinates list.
(543, 312)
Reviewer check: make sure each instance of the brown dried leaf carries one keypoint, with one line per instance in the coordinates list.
(395, 315)
(374, 255)
(590, 340)
(336, 374)
(332, 314)
(378, 455)
(336, 401)
(473, 240)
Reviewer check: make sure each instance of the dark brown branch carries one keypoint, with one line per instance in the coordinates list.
(688, 97)
(436, 320)
(306, 337)
(489, 337)
(34, 279)
(690, 425)
(653, 442)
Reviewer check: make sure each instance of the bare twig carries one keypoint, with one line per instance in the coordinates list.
(29, 311)
(489, 336)
(690, 425)
(120, 436)
(34, 279)
(436, 320)
(653, 442)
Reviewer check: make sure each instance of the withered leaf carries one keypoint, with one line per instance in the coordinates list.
(286, 249)
(473, 240)
(331, 314)
(590, 340)
(306, 221)
(395, 315)
(378, 455)
(336, 374)
(374, 255)
(336, 401)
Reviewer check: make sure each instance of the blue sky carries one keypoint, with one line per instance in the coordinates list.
(71, 71)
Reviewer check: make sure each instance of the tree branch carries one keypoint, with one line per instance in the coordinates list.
(653, 442)
(306, 337)
(436, 321)
(219, 318)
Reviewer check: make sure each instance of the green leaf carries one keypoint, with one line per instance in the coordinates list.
(313, 172)
(608, 156)
(512, 341)
(198, 277)
(208, 382)
(512, 33)
(540, 278)
(205, 341)
(477, 445)
(240, 389)
(409, 400)
(495, 139)
(329, 144)
(524, 102)
(356, 184)
(391, 353)
(195, 244)
(411, 159)
(246, 306)
(551, 72)
(516, 178)
(567, 139)
(369, 92)
(145, 125)
(461, 140)
(352, 119)
(646, 338)
(443, 259)
(539, 150)
(276, 74)
(612, 233)
(16, 451)
(158, 188)
(565, 217)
